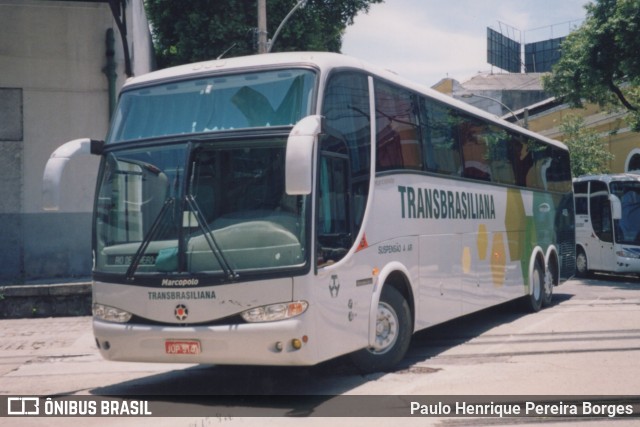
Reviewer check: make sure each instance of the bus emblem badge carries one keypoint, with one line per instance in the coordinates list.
(181, 312)
(334, 286)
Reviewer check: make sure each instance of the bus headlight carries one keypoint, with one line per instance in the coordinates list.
(272, 312)
(110, 314)
(626, 253)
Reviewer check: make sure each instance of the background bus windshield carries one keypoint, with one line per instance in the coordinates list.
(628, 227)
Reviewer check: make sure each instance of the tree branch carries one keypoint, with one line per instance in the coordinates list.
(616, 90)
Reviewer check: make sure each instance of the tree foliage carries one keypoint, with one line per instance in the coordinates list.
(196, 30)
(600, 62)
(588, 154)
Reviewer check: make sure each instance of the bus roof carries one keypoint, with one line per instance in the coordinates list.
(324, 61)
(629, 176)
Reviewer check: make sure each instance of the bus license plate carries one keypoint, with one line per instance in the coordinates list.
(182, 347)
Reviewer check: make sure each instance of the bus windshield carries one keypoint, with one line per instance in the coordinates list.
(628, 227)
(239, 101)
(206, 207)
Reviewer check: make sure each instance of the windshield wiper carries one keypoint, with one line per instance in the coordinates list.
(211, 240)
(135, 262)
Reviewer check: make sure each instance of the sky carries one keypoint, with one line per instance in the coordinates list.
(428, 40)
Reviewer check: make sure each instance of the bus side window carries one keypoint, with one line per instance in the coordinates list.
(439, 138)
(581, 190)
(474, 150)
(558, 174)
(397, 138)
(522, 160)
(500, 154)
(334, 219)
(539, 162)
(345, 160)
(600, 209)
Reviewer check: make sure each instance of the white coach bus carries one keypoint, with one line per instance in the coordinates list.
(285, 209)
(607, 223)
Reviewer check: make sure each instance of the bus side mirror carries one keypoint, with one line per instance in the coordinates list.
(56, 164)
(299, 155)
(616, 206)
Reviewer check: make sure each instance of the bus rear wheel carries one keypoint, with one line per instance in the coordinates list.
(533, 301)
(393, 334)
(549, 282)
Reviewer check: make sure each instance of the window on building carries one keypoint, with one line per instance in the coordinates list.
(634, 163)
(11, 114)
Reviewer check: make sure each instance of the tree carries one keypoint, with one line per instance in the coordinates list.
(588, 154)
(197, 30)
(599, 61)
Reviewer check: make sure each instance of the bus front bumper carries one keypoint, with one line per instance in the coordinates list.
(626, 265)
(273, 343)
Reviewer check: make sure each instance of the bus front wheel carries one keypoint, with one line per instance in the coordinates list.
(582, 266)
(393, 334)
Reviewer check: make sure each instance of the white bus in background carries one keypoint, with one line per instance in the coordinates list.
(607, 223)
(285, 209)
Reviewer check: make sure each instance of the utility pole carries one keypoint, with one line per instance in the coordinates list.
(300, 4)
(262, 26)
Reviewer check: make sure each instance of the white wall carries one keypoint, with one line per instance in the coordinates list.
(55, 52)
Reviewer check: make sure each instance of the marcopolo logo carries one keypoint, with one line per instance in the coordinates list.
(180, 282)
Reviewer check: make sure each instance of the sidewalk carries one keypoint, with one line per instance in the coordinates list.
(45, 300)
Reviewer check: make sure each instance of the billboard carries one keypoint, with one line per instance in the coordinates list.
(539, 57)
(503, 52)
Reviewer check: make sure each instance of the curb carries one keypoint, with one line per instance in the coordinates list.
(45, 300)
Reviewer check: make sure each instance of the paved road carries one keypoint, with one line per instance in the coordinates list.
(587, 343)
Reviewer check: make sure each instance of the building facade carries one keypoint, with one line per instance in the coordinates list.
(56, 85)
(611, 128)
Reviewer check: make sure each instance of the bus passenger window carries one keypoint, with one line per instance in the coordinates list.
(558, 173)
(389, 149)
(582, 205)
(540, 161)
(398, 145)
(474, 150)
(600, 209)
(500, 154)
(439, 139)
(521, 160)
(581, 191)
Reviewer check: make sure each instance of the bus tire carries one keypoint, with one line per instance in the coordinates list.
(582, 266)
(393, 334)
(548, 285)
(533, 301)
